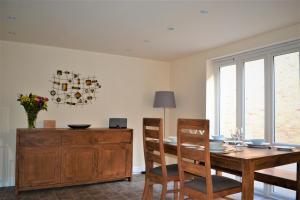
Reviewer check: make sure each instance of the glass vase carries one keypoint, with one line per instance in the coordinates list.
(31, 119)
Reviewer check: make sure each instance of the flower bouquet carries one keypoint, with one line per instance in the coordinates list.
(32, 105)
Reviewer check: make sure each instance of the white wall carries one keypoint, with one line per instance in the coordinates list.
(192, 80)
(128, 86)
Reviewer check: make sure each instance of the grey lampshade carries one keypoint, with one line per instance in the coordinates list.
(164, 99)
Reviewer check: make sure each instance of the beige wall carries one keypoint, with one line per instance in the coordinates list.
(128, 86)
(191, 77)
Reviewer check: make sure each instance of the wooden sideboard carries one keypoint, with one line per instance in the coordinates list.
(47, 158)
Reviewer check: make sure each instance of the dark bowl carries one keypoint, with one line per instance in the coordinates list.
(79, 126)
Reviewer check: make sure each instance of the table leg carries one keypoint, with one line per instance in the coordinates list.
(247, 181)
(298, 181)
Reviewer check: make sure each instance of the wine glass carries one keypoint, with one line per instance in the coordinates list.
(237, 136)
(234, 138)
(241, 133)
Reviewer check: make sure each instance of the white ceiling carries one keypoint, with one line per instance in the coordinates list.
(140, 28)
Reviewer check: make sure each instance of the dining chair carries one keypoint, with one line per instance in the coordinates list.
(157, 172)
(194, 158)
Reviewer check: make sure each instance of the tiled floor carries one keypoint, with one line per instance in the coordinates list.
(119, 190)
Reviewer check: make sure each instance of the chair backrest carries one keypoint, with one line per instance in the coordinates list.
(193, 150)
(153, 144)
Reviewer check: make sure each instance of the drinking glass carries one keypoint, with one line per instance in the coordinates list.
(237, 136)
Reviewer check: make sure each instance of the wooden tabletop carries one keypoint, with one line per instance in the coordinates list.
(247, 161)
(246, 153)
(256, 153)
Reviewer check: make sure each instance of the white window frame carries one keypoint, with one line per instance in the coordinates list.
(267, 54)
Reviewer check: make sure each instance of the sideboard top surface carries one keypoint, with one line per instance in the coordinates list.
(33, 130)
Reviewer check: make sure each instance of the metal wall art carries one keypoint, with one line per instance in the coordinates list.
(72, 89)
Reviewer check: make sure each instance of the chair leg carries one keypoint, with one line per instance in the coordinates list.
(150, 194)
(181, 194)
(148, 188)
(164, 191)
(176, 192)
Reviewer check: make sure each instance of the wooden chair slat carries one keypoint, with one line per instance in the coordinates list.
(194, 123)
(153, 157)
(192, 168)
(152, 134)
(151, 122)
(192, 139)
(192, 153)
(152, 145)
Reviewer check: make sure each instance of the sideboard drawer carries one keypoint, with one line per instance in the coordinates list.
(39, 139)
(115, 137)
(78, 139)
(96, 138)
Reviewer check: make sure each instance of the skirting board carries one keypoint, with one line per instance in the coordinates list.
(138, 170)
(8, 183)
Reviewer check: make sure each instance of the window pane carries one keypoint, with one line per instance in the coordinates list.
(254, 99)
(227, 99)
(287, 98)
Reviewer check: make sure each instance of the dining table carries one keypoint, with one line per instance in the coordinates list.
(248, 160)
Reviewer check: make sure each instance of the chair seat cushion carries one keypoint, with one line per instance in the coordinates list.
(172, 170)
(219, 183)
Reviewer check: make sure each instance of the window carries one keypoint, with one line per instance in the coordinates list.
(254, 99)
(287, 98)
(227, 99)
(259, 91)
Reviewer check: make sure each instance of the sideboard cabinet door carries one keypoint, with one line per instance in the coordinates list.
(79, 164)
(113, 162)
(39, 166)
